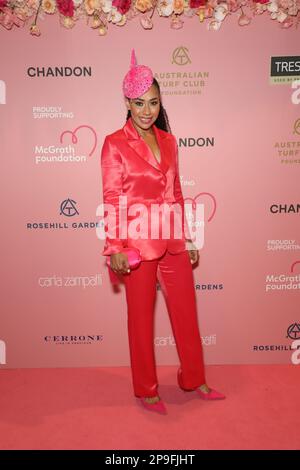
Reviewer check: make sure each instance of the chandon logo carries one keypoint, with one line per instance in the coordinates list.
(285, 208)
(77, 71)
(196, 142)
(2, 352)
(2, 92)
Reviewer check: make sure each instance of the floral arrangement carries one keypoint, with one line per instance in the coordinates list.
(100, 14)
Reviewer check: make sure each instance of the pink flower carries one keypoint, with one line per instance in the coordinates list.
(122, 5)
(287, 23)
(244, 20)
(176, 23)
(146, 22)
(7, 18)
(2, 3)
(65, 7)
(35, 30)
(262, 1)
(197, 3)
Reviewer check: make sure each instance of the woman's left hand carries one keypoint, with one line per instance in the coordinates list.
(194, 256)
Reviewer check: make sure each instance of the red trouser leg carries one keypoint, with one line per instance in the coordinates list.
(176, 279)
(175, 275)
(140, 287)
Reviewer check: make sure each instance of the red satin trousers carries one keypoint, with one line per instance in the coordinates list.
(175, 275)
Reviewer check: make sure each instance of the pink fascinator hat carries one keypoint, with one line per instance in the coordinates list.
(138, 79)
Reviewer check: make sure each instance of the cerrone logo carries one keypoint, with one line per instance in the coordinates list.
(2, 352)
(2, 92)
(180, 56)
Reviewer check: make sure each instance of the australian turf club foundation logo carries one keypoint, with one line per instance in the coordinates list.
(180, 79)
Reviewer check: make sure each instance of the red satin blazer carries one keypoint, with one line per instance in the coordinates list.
(130, 169)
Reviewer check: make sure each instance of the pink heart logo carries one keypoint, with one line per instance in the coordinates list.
(193, 199)
(294, 264)
(75, 140)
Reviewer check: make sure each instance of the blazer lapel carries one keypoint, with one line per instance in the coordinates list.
(143, 150)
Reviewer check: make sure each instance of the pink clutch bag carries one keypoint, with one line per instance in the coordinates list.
(134, 260)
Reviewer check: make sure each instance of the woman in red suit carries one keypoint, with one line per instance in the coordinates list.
(140, 164)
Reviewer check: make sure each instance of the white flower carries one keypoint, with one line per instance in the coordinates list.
(281, 16)
(106, 6)
(49, 6)
(272, 6)
(114, 16)
(165, 7)
(214, 25)
(224, 5)
(220, 12)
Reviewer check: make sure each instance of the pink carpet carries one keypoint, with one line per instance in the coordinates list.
(93, 408)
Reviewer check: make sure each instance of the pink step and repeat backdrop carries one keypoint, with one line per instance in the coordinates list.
(237, 122)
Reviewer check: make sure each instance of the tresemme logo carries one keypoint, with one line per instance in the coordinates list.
(284, 69)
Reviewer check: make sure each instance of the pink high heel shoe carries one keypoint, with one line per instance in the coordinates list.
(158, 407)
(211, 395)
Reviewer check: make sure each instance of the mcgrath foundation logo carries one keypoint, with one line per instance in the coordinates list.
(180, 56)
(74, 137)
(2, 92)
(2, 352)
(282, 281)
(68, 152)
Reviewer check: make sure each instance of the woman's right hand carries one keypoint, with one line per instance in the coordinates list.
(119, 263)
